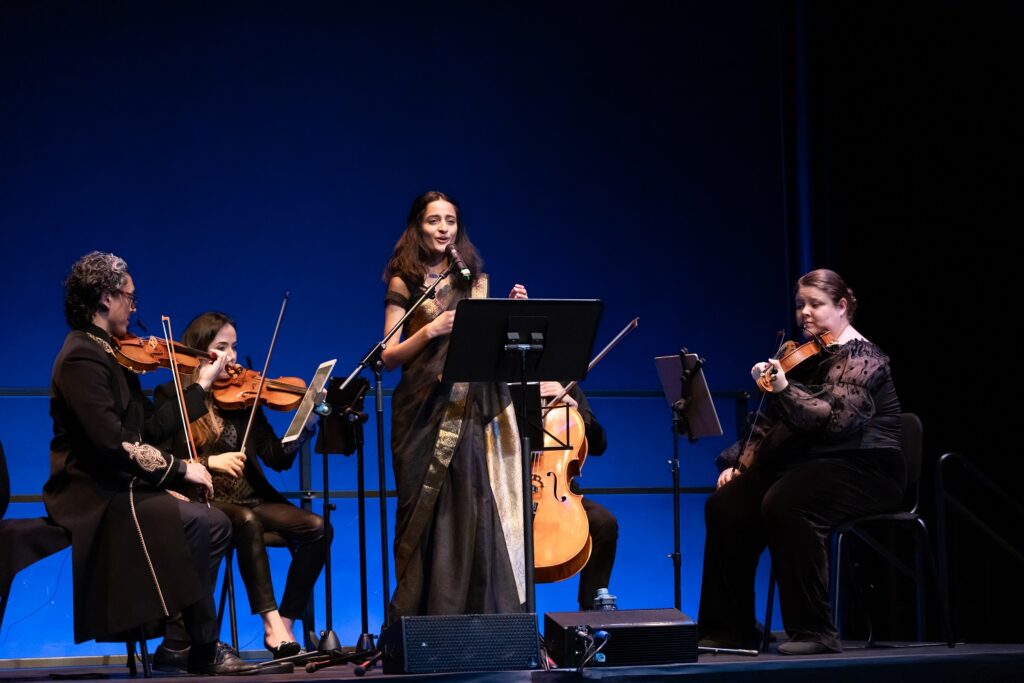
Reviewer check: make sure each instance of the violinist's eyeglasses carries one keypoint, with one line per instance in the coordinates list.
(133, 300)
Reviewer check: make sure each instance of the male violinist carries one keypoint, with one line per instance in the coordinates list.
(139, 554)
(604, 528)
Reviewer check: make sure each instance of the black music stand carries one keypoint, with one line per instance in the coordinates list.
(340, 408)
(342, 432)
(517, 340)
(693, 413)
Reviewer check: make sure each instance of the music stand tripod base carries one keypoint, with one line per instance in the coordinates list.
(727, 651)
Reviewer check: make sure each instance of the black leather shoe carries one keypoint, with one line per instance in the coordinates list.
(287, 648)
(170, 661)
(804, 647)
(217, 659)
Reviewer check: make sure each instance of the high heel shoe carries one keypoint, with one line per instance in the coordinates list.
(287, 648)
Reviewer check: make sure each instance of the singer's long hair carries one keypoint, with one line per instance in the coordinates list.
(409, 258)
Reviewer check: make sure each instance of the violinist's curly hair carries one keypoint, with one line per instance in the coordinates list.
(830, 282)
(409, 258)
(95, 274)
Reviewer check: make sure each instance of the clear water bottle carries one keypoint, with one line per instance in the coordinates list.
(604, 600)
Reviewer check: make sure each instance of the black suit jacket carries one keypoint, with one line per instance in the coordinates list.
(99, 464)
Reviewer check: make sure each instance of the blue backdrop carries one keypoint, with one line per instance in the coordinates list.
(234, 151)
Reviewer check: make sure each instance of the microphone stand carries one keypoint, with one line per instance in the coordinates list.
(372, 360)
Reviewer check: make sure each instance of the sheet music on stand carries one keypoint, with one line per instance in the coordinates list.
(316, 385)
(701, 417)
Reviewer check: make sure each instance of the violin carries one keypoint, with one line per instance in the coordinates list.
(142, 355)
(792, 354)
(240, 391)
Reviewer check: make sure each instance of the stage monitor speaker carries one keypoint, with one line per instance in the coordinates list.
(461, 642)
(636, 636)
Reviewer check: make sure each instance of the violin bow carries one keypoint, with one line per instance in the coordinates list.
(779, 336)
(179, 392)
(632, 325)
(263, 376)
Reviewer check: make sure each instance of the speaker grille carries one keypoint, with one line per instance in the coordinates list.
(467, 642)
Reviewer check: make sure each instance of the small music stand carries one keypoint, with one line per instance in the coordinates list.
(341, 431)
(340, 408)
(693, 413)
(309, 401)
(517, 340)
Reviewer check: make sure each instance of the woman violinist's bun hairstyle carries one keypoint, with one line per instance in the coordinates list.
(830, 282)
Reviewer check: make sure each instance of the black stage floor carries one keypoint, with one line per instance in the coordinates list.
(965, 662)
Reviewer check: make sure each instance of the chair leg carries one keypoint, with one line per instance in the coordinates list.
(939, 586)
(942, 552)
(147, 667)
(232, 614)
(227, 595)
(766, 637)
(129, 647)
(921, 543)
(857, 584)
(4, 592)
(835, 579)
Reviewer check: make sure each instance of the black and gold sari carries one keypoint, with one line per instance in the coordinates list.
(456, 457)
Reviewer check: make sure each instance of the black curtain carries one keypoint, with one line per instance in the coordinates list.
(902, 139)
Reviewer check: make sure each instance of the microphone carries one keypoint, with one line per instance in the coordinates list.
(460, 265)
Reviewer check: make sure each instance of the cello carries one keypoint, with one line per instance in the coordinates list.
(561, 532)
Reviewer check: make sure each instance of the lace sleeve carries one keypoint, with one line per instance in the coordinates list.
(843, 402)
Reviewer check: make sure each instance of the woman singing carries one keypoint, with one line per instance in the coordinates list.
(827, 451)
(455, 446)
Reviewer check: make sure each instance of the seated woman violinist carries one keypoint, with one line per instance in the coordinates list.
(827, 449)
(242, 492)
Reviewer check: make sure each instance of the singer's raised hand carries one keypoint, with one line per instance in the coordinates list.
(441, 325)
(518, 292)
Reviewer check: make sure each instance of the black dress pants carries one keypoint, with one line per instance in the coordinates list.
(207, 534)
(791, 509)
(604, 534)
